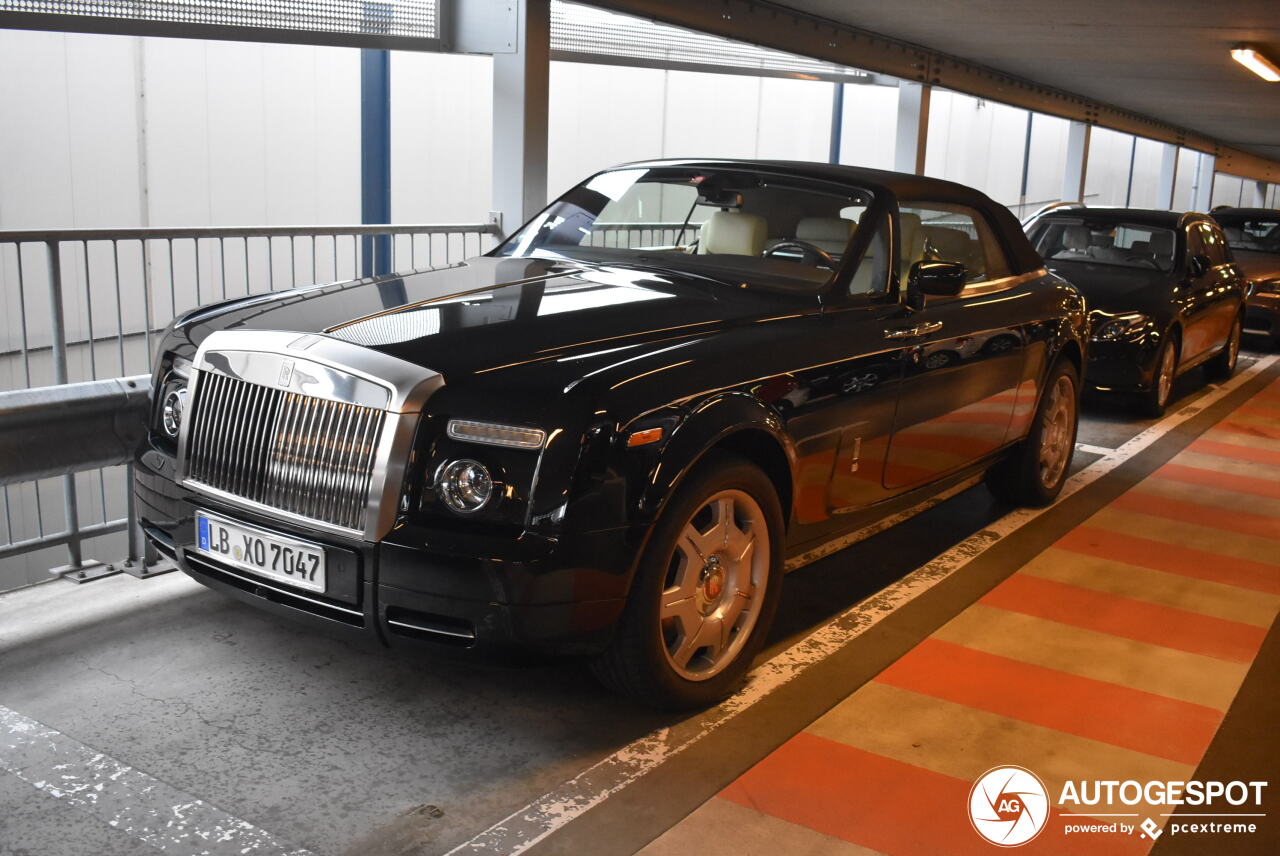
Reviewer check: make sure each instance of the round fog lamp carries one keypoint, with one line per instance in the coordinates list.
(465, 486)
(171, 413)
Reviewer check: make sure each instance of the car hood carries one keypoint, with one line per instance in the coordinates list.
(487, 314)
(1115, 289)
(1258, 267)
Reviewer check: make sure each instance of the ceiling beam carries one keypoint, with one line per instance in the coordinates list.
(776, 26)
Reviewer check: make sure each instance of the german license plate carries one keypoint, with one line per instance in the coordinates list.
(266, 554)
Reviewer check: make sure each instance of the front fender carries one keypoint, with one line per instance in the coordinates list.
(699, 430)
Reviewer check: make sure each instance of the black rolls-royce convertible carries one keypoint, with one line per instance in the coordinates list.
(610, 435)
(1164, 294)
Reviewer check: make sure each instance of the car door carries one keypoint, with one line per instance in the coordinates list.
(1224, 293)
(964, 355)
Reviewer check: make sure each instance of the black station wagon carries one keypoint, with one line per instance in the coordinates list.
(1164, 294)
(611, 435)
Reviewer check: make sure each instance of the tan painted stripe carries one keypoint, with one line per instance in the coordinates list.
(1253, 415)
(1227, 465)
(1211, 496)
(1183, 534)
(1204, 596)
(1236, 438)
(964, 742)
(723, 828)
(1090, 654)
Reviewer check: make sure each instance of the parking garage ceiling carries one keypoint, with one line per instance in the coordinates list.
(1168, 59)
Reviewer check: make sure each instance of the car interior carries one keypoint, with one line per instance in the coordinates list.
(1111, 243)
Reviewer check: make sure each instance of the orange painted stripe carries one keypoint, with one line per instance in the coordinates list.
(1271, 432)
(1225, 481)
(1159, 556)
(1239, 453)
(1127, 618)
(886, 805)
(1109, 713)
(1202, 515)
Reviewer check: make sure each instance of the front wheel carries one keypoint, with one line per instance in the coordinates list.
(705, 591)
(1223, 365)
(1035, 471)
(1156, 399)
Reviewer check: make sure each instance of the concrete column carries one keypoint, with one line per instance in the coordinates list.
(375, 159)
(1077, 161)
(1168, 175)
(913, 127)
(1202, 197)
(1255, 194)
(520, 85)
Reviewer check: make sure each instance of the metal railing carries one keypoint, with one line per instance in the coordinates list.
(87, 304)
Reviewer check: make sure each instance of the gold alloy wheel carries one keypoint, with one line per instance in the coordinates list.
(1164, 380)
(715, 585)
(1058, 431)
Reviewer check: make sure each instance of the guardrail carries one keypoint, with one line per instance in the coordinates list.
(86, 305)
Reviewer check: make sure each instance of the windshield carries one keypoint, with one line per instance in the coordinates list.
(1258, 234)
(1109, 243)
(740, 224)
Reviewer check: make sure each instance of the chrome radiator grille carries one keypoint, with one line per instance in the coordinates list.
(307, 456)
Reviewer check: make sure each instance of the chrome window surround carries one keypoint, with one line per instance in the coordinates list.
(327, 368)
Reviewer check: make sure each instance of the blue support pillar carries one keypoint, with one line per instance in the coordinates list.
(837, 121)
(375, 157)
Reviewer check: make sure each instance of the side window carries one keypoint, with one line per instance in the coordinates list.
(872, 275)
(953, 233)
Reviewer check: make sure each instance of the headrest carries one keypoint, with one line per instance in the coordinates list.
(825, 230)
(1140, 247)
(1075, 237)
(1104, 242)
(1162, 243)
(732, 233)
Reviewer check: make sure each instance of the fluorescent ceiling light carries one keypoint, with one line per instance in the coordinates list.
(1256, 62)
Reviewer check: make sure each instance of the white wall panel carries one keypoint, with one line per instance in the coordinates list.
(869, 130)
(441, 147)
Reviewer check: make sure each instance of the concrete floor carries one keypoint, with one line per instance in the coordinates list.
(343, 749)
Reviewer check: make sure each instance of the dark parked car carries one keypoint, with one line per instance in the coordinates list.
(1253, 234)
(1163, 293)
(611, 434)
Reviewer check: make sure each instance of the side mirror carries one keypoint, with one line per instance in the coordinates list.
(1199, 265)
(937, 279)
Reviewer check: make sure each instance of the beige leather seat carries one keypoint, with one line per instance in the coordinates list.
(732, 233)
(829, 234)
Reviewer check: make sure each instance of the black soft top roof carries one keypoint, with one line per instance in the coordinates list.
(1246, 213)
(903, 187)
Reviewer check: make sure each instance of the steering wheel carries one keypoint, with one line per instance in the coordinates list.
(812, 255)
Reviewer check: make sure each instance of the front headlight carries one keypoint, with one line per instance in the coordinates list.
(173, 397)
(465, 486)
(1119, 326)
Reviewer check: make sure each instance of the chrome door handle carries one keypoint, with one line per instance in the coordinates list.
(911, 332)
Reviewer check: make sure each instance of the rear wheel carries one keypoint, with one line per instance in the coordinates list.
(1156, 399)
(705, 591)
(1035, 471)
(1223, 365)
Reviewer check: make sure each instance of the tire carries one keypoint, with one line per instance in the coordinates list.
(655, 656)
(1034, 472)
(1156, 399)
(1223, 365)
